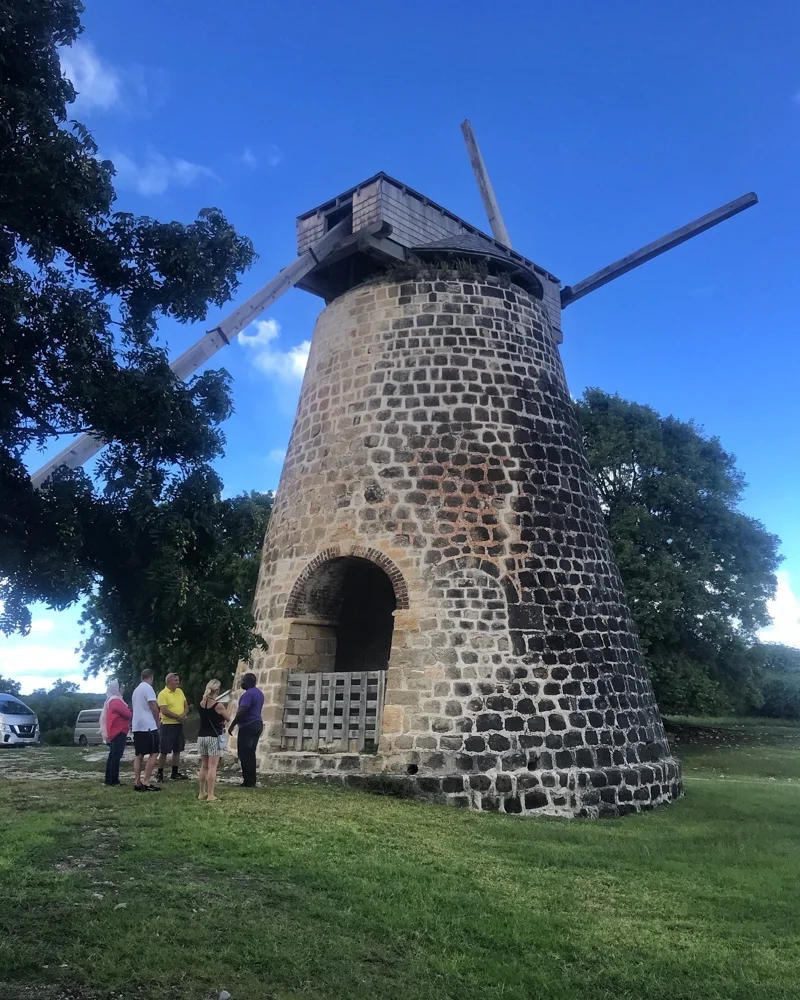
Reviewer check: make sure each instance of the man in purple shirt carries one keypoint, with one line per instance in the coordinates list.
(248, 719)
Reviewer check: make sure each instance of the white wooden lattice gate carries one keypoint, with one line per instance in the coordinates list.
(334, 712)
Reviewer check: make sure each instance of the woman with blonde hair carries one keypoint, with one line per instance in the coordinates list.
(213, 716)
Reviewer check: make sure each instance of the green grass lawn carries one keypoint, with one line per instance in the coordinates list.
(297, 891)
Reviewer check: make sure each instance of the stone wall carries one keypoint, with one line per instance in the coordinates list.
(435, 438)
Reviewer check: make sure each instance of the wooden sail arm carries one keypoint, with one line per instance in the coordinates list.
(571, 293)
(186, 364)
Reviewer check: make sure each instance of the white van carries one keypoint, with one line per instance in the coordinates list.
(19, 726)
(87, 727)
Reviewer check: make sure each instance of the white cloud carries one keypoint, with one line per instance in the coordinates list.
(277, 455)
(97, 84)
(248, 158)
(260, 333)
(41, 626)
(48, 652)
(37, 665)
(287, 366)
(785, 611)
(157, 172)
(272, 156)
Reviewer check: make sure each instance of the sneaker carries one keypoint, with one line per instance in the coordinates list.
(139, 788)
(179, 777)
(150, 788)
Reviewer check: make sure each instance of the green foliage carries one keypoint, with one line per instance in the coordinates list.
(698, 572)
(82, 288)
(780, 685)
(57, 710)
(63, 736)
(7, 686)
(177, 584)
(414, 268)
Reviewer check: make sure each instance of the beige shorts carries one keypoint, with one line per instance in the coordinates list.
(209, 746)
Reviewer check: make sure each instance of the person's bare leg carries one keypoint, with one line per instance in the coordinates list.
(150, 767)
(203, 776)
(162, 760)
(137, 769)
(212, 777)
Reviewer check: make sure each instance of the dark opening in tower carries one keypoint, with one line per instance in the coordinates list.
(343, 618)
(364, 635)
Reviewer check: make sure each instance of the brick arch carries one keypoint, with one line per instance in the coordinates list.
(356, 551)
(521, 617)
(485, 566)
(468, 562)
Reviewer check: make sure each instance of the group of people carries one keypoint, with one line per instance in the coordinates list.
(157, 726)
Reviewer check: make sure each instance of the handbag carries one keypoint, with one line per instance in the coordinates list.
(223, 741)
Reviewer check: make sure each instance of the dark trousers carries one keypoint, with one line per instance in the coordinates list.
(248, 741)
(116, 748)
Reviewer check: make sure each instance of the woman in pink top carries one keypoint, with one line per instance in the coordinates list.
(114, 725)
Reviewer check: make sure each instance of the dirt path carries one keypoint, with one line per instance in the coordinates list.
(48, 763)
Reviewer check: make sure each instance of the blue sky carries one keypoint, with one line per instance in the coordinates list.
(603, 127)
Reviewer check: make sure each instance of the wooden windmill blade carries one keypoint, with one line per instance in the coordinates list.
(186, 364)
(571, 293)
(498, 227)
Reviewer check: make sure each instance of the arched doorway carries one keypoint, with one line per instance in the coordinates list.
(351, 601)
(337, 653)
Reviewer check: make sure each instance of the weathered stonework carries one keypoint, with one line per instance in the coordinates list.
(436, 445)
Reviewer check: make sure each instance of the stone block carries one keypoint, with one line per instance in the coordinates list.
(392, 719)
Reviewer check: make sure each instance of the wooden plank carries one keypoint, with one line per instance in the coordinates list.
(362, 713)
(571, 293)
(316, 713)
(331, 707)
(345, 738)
(498, 227)
(303, 697)
(379, 712)
(287, 725)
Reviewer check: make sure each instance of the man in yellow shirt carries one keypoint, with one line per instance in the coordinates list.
(174, 709)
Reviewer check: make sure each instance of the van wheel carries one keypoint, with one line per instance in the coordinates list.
(82, 741)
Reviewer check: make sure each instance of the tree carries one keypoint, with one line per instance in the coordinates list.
(176, 588)
(58, 708)
(82, 288)
(698, 572)
(60, 688)
(7, 686)
(779, 666)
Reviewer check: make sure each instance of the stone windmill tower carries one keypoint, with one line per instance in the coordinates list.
(437, 586)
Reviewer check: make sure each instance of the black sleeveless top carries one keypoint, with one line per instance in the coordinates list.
(211, 722)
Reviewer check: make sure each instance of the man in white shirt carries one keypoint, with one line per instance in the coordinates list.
(144, 724)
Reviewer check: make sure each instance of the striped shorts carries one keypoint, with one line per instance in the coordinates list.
(209, 746)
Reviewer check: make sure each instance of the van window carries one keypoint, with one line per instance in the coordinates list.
(10, 706)
(89, 716)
